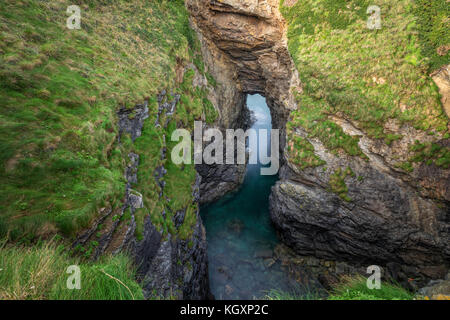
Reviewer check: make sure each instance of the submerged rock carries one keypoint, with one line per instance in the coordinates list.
(236, 226)
(228, 289)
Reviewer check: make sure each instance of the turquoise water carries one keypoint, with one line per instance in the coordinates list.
(240, 235)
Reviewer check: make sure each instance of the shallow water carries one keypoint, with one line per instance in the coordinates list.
(240, 235)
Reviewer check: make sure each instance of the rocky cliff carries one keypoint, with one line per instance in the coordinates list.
(169, 265)
(87, 119)
(245, 49)
(365, 140)
(247, 40)
(347, 191)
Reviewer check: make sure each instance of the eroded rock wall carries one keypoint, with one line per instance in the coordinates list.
(389, 216)
(249, 37)
(372, 211)
(245, 50)
(168, 266)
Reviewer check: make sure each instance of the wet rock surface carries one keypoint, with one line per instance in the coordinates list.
(219, 180)
(174, 268)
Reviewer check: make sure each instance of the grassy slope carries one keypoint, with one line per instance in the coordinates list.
(368, 76)
(60, 90)
(39, 273)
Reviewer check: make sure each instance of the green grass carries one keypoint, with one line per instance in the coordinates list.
(337, 183)
(433, 20)
(430, 153)
(194, 102)
(351, 288)
(193, 105)
(60, 90)
(301, 153)
(179, 178)
(365, 76)
(356, 289)
(39, 272)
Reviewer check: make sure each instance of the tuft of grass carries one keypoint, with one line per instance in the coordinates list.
(433, 19)
(194, 103)
(39, 272)
(301, 152)
(350, 288)
(337, 182)
(430, 153)
(355, 288)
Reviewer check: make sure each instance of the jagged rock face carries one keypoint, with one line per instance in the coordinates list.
(397, 219)
(173, 268)
(167, 266)
(134, 125)
(394, 218)
(249, 37)
(170, 267)
(245, 50)
(381, 225)
(219, 180)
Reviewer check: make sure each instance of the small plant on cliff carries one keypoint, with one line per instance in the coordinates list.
(301, 152)
(430, 153)
(337, 182)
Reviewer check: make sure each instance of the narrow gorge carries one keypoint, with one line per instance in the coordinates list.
(93, 116)
(361, 209)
